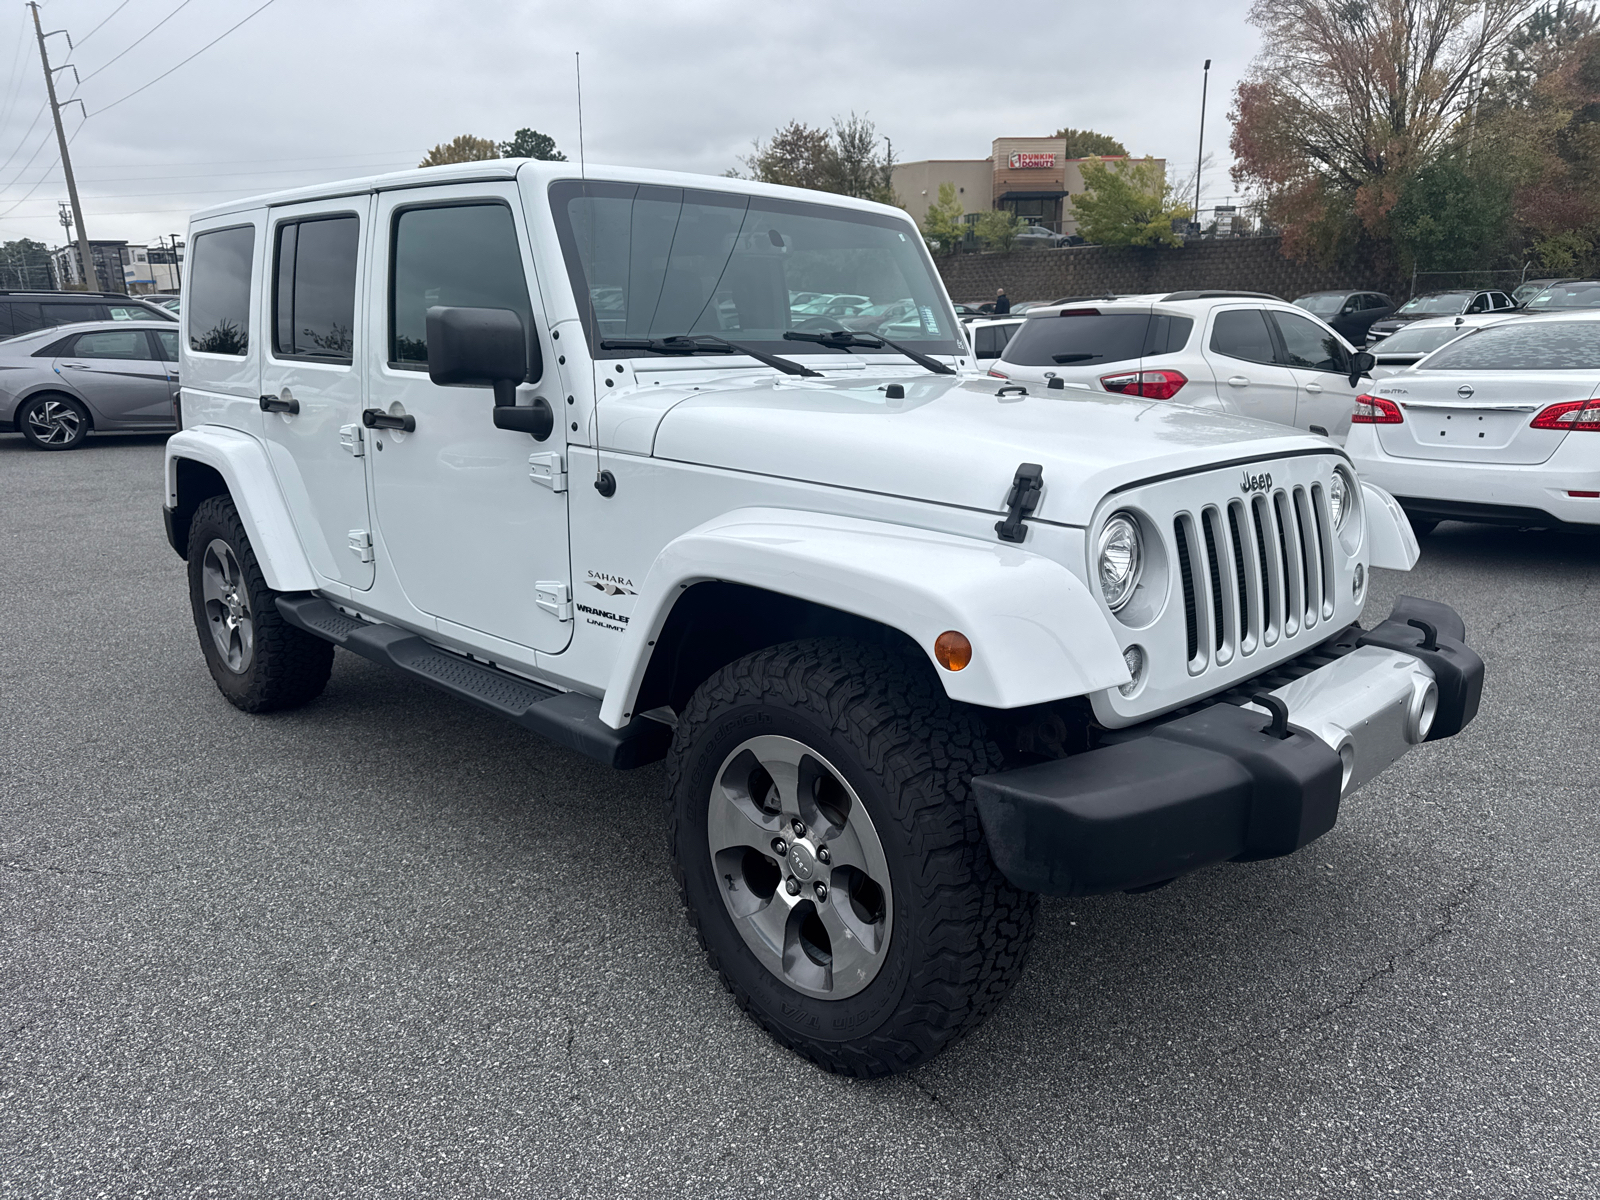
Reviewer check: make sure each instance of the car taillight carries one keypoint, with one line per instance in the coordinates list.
(1152, 385)
(1375, 410)
(998, 374)
(1572, 416)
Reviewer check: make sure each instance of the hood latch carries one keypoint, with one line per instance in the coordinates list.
(1026, 488)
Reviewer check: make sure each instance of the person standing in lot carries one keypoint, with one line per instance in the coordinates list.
(1002, 302)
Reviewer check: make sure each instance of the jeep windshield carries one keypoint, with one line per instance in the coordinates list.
(656, 262)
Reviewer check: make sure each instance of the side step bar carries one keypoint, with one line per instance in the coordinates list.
(569, 718)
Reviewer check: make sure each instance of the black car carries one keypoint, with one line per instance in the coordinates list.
(1464, 302)
(1351, 313)
(23, 312)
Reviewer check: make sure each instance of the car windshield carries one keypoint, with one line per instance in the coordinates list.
(1440, 304)
(1524, 346)
(659, 262)
(1418, 341)
(1584, 294)
(1529, 290)
(1324, 306)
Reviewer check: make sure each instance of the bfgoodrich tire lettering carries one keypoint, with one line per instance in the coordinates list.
(259, 661)
(959, 930)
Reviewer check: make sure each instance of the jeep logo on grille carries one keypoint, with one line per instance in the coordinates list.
(1255, 483)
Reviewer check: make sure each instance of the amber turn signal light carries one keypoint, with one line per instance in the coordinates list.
(951, 650)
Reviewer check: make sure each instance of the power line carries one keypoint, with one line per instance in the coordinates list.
(96, 29)
(190, 59)
(14, 88)
(183, 5)
(22, 143)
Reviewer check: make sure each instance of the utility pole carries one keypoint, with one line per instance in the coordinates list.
(177, 268)
(1200, 154)
(85, 258)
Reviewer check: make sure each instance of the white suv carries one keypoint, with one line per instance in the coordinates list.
(1241, 352)
(915, 645)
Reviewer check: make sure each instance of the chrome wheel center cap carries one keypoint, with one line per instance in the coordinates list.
(802, 862)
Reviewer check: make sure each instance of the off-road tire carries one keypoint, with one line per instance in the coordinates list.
(288, 666)
(65, 407)
(960, 932)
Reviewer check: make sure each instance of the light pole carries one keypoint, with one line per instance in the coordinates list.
(1200, 153)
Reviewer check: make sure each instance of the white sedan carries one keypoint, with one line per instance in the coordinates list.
(1492, 427)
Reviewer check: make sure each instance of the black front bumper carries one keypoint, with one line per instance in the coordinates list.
(1178, 794)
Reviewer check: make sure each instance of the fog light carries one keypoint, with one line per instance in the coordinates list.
(951, 650)
(1359, 581)
(1133, 658)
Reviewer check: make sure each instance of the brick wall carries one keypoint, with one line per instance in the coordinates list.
(1252, 264)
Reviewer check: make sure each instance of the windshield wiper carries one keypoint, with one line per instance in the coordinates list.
(704, 343)
(843, 339)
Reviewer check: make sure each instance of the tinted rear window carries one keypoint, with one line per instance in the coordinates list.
(1095, 338)
(1530, 346)
(219, 291)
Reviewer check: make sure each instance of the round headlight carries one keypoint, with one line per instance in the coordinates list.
(1119, 560)
(1338, 499)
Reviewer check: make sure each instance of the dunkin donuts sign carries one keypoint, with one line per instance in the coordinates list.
(1032, 160)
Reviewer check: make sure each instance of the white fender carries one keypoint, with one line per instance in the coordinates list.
(242, 462)
(1036, 632)
(1391, 541)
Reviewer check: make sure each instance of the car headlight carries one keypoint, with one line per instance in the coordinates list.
(1338, 500)
(1119, 559)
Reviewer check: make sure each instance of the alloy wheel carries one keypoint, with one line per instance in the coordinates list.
(227, 606)
(800, 867)
(54, 423)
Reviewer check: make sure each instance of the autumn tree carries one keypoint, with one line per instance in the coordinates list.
(1128, 204)
(1347, 102)
(530, 143)
(844, 159)
(1084, 143)
(465, 148)
(997, 229)
(942, 222)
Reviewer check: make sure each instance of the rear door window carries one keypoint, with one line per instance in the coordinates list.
(1090, 337)
(167, 343)
(111, 343)
(1242, 333)
(25, 317)
(219, 291)
(66, 314)
(1307, 344)
(314, 288)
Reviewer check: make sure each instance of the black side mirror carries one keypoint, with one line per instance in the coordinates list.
(1361, 364)
(477, 346)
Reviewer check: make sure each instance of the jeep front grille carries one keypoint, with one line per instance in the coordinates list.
(1237, 593)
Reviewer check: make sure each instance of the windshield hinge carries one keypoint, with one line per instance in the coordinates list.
(548, 470)
(361, 544)
(1027, 485)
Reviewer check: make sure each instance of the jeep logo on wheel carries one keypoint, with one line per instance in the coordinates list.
(1255, 483)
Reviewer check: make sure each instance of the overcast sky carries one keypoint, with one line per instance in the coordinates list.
(312, 90)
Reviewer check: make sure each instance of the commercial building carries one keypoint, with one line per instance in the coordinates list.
(119, 267)
(1030, 176)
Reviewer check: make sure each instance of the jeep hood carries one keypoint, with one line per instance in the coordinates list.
(950, 441)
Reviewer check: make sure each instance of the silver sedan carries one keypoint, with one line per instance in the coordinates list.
(58, 384)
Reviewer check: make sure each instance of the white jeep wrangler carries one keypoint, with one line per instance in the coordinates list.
(917, 645)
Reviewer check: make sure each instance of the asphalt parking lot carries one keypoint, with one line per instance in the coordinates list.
(390, 946)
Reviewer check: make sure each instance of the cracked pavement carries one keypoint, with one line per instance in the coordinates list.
(391, 946)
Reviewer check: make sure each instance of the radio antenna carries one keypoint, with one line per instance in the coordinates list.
(577, 59)
(604, 482)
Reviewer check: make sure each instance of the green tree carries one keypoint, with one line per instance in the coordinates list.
(858, 169)
(530, 143)
(998, 228)
(465, 148)
(942, 222)
(796, 156)
(1128, 204)
(1084, 143)
(25, 265)
(1451, 218)
(844, 160)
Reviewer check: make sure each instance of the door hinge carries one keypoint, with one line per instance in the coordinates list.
(351, 439)
(554, 598)
(549, 470)
(361, 544)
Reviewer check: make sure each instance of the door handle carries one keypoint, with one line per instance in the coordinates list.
(376, 418)
(280, 404)
(1238, 381)
(1315, 388)
(76, 366)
